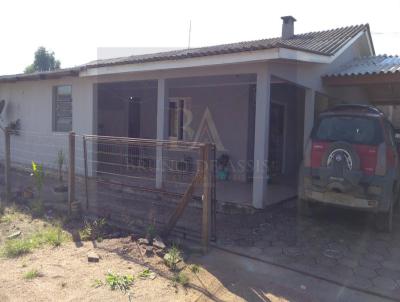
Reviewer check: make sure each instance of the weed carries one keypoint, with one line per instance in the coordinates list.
(38, 175)
(97, 283)
(93, 230)
(181, 279)
(145, 274)
(37, 208)
(121, 282)
(17, 247)
(151, 232)
(32, 274)
(195, 268)
(173, 257)
(60, 164)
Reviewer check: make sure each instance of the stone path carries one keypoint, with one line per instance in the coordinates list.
(334, 244)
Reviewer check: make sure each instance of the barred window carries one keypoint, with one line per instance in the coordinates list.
(62, 108)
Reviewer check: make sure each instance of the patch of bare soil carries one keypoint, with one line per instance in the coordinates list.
(66, 275)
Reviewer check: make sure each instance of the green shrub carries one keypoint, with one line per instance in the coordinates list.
(37, 208)
(93, 230)
(121, 282)
(17, 247)
(32, 274)
(172, 257)
(181, 279)
(195, 268)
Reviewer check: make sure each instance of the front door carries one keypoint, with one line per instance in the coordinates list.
(276, 140)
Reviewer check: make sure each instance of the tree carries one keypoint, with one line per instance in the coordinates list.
(44, 61)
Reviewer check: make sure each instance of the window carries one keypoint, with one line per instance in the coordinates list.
(177, 107)
(351, 129)
(62, 108)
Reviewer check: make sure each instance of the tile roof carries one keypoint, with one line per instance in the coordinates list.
(381, 64)
(326, 43)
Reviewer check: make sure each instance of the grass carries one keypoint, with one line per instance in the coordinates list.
(53, 236)
(172, 258)
(195, 268)
(93, 230)
(146, 273)
(32, 274)
(121, 282)
(181, 279)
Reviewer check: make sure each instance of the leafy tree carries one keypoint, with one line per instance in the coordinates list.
(44, 61)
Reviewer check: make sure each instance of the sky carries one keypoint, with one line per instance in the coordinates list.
(82, 31)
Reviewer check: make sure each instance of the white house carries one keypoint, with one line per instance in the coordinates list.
(257, 100)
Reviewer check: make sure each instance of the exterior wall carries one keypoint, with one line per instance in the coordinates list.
(228, 106)
(32, 103)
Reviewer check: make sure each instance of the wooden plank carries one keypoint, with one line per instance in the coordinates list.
(207, 195)
(71, 171)
(182, 205)
(7, 165)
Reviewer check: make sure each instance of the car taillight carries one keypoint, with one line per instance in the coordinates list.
(318, 149)
(381, 160)
(307, 154)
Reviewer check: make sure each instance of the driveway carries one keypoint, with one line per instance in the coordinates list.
(335, 245)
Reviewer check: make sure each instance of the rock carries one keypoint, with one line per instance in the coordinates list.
(159, 243)
(93, 257)
(14, 235)
(149, 251)
(143, 241)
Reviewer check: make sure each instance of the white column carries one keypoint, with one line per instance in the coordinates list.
(162, 127)
(309, 107)
(260, 173)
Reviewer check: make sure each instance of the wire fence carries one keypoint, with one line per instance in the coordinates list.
(136, 182)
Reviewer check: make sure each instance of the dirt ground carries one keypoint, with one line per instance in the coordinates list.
(66, 274)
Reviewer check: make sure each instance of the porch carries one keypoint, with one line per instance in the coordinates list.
(257, 132)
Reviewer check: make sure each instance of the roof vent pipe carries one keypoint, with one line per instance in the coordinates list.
(288, 27)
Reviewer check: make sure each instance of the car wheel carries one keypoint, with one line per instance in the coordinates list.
(384, 221)
(303, 207)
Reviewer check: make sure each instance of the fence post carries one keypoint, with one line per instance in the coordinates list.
(7, 163)
(71, 171)
(206, 219)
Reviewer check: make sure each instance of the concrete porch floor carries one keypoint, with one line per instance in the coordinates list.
(241, 193)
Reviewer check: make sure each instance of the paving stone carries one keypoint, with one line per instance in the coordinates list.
(374, 257)
(364, 272)
(341, 271)
(395, 252)
(370, 264)
(273, 251)
(384, 283)
(293, 251)
(254, 250)
(391, 264)
(326, 261)
(385, 272)
(359, 282)
(349, 262)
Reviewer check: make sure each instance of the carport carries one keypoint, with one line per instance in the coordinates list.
(378, 77)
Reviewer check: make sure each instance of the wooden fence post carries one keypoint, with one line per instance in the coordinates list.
(206, 219)
(7, 163)
(71, 171)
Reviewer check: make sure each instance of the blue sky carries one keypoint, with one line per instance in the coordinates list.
(76, 30)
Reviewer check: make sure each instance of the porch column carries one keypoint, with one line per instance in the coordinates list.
(162, 127)
(309, 106)
(260, 173)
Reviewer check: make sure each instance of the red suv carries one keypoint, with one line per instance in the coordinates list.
(351, 160)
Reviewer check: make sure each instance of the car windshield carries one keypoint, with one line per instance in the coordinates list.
(351, 129)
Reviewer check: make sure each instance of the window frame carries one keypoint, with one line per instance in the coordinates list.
(181, 135)
(54, 108)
